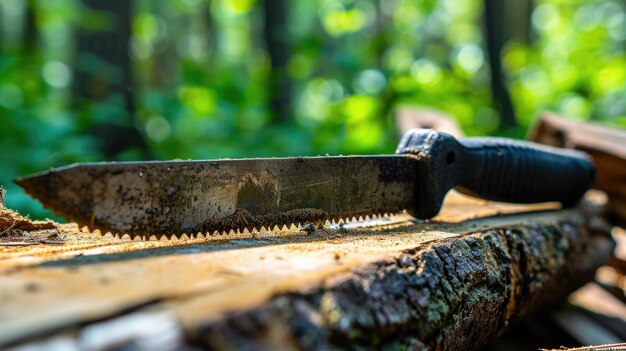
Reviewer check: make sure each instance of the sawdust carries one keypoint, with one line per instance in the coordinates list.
(16, 229)
(242, 219)
(326, 233)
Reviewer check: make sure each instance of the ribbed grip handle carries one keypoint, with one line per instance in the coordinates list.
(524, 172)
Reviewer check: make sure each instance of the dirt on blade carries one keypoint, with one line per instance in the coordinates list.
(184, 197)
(16, 229)
(242, 219)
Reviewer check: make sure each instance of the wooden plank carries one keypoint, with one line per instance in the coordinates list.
(605, 347)
(604, 308)
(583, 328)
(456, 281)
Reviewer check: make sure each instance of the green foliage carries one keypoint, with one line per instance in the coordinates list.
(202, 71)
(577, 65)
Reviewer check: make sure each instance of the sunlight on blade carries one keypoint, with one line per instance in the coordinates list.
(372, 221)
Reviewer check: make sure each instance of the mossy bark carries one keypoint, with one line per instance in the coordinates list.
(449, 294)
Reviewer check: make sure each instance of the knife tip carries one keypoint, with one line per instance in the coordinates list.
(22, 181)
(19, 181)
(32, 184)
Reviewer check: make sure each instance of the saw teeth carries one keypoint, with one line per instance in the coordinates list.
(247, 230)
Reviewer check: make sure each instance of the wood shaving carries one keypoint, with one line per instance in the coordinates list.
(16, 229)
(606, 347)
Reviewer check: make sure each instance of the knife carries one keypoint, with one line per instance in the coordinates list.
(176, 197)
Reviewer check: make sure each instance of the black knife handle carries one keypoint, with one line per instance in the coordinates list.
(497, 169)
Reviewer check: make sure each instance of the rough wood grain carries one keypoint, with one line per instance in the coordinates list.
(13, 225)
(451, 283)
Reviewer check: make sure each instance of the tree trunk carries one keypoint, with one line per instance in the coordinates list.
(496, 37)
(276, 40)
(518, 17)
(113, 78)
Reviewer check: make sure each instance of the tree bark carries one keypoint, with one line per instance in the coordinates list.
(449, 295)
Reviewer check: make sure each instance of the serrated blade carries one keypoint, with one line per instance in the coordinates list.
(175, 197)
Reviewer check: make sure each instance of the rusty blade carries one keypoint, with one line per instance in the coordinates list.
(175, 197)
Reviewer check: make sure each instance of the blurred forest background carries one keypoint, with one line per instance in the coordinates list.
(93, 80)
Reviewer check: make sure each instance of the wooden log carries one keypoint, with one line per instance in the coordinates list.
(409, 117)
(452, 283)
(607, 146)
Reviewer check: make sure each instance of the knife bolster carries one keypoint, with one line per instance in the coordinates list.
(439, 155)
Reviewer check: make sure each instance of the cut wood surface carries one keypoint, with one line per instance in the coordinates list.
(451, 283)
